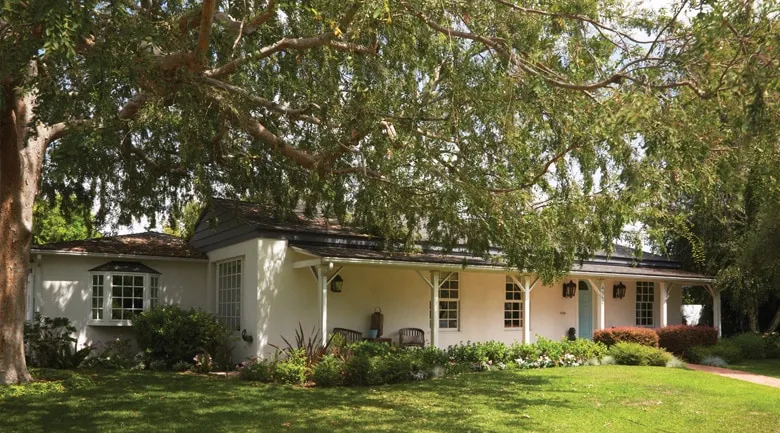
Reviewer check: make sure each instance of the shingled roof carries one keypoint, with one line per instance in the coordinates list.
(137, 244)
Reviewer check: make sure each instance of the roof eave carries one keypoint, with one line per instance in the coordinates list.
(501, 269)
(37, 251)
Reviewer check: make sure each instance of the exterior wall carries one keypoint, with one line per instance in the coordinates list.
(275, 297)
(405, 298)
(61, 286)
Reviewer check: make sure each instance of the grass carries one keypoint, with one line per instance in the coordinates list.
(604, 398)
(766, 367)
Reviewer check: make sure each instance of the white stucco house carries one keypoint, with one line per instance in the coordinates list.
(262, 277)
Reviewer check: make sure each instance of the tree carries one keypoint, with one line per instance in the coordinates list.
(724, 210)
(487, 123)
(55, 222)
(183, 224)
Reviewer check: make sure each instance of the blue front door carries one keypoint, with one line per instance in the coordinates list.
(585, 328)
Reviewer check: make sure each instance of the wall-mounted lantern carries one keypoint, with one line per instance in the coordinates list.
(569, 289)
(337, 284)
(619, 290)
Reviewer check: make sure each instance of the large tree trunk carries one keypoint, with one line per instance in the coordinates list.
(752, 314)
(775, 321)
(21, 161)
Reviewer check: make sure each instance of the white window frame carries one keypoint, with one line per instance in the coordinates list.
(449, 306)
(513, 305)
(108, 293)
(645, 303)
(232, 322)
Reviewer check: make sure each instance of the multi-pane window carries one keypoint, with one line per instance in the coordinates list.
(97, 296)
(513, 304)
(127, 296)
(229, 293)
(449, 300)
(121, 290)
(154, 291)
(645, 299)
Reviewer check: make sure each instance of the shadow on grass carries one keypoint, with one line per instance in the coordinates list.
(142, 401)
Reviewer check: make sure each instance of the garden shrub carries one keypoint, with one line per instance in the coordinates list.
(697, 353)
(727, 350)
(430, 357)
(607, 360)
(675, 362)
(256, 369)
(116, 354)
(628, 334)
(158, 365)
(584, 349)
(172, 334)
(751, 345)
(678, 339)
(49, 343)
(204, 364)
(638, 354)
(714, 361)
(772, 345)
(329, 371)
(291, 370)
(361, 370)
(180, 366)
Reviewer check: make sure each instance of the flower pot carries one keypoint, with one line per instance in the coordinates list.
(372, 333)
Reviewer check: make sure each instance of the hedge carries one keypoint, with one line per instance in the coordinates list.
(628, 334)
(679, 339)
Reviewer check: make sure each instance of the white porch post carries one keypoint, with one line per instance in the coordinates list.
(527, 286)
(602, 306)
(434, 308)
(598, 286)
(526, 310)
(322, 286)
(664, 304)
(716, 313)
(716, 320)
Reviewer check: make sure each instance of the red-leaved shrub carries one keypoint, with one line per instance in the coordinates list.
(679, 338)
(629, 334)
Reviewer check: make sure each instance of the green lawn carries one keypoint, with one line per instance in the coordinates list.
(583, 399)
(767, 367)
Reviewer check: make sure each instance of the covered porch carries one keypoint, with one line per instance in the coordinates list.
(457, 299)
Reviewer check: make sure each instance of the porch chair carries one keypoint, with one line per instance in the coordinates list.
(350, 335)
(408, 337)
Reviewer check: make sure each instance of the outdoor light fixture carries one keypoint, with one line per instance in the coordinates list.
(569, 289)
(336, 284)
(619, 290)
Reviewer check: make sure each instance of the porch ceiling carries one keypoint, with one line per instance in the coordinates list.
(429, 260)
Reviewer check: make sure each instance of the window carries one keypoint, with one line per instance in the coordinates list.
(645, 298)
(229, 293)
(122, 290)
(154, 291)
(513, 304)
(97, 297)
(127, 296)
(449, 300)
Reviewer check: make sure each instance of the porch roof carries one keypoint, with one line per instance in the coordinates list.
(599, 268)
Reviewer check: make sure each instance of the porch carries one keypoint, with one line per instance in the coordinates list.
(479, 301)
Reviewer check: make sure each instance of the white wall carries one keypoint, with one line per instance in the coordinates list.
(276, 298)
(62, 289)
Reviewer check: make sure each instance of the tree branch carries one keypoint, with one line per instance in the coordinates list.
(295, 113)
(297, 44)
(539, 175)
(204, 34)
